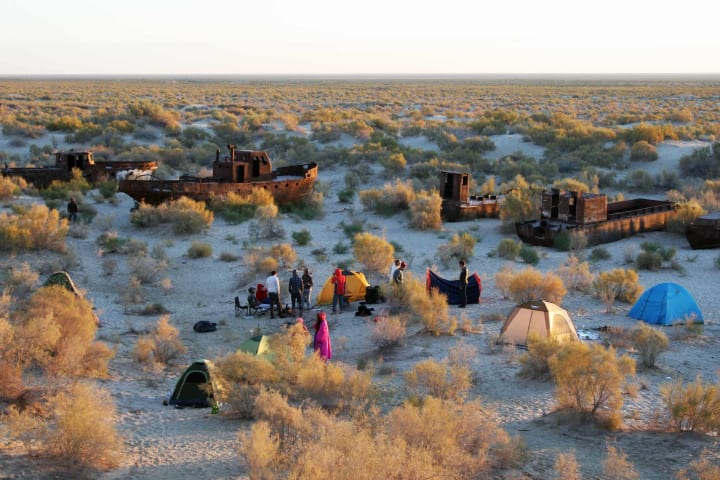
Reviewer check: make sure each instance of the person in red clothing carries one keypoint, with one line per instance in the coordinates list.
(262, 294)
(338, 279)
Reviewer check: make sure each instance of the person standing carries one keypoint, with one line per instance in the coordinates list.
(72, 209)
(307, 281)
(321, 343)
(338, 280)
(398, 274)
(393, 268)
(295, 287)
(463, 283)
(272, 284)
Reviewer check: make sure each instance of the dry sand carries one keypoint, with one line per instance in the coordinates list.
(168, 443)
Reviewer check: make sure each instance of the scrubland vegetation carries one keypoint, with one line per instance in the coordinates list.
(309, 417)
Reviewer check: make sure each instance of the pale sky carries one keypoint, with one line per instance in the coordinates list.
(361, 37)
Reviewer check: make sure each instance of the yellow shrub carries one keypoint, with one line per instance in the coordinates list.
(460, 247)
(439, 379)
(530, 284)
(11, 186)
(389, 331)
(589, 380)
(85, 432)
(576, 275)
(425, 211)
(34, 228)
(617, 283)
(694, 407)
(503, 278)
(373, 252)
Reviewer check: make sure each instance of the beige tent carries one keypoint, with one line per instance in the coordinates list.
(543, 318)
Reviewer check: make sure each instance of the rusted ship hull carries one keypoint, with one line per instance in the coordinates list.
(475, 207)
(42, 177)
(624, 219)
(290, 184)
(704, 232)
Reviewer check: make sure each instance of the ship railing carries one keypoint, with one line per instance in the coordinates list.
(665, 207)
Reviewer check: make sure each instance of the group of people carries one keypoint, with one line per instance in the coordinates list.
(397, 272)
(268, 293)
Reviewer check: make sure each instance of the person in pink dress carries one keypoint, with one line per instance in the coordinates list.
(322, 344)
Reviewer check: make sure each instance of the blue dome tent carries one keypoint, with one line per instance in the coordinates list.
(665, 304)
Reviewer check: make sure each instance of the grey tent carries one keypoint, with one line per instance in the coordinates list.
(543, 318)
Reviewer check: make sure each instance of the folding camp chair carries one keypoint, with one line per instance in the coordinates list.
(251, 310)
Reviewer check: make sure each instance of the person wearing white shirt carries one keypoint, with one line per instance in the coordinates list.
(272, 283)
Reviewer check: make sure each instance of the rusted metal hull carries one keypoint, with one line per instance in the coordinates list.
(704, 232)
(476, 207)
(42, 177)
(624, 220)
(289, 185)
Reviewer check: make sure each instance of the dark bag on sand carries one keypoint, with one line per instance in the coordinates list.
(363, 311)
(204, 326)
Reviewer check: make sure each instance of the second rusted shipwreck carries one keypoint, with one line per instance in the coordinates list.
(457, 203)
(704, 232)
(237, 173)
(591, 214)
(65, 162)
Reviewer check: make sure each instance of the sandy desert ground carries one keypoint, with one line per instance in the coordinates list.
(167, 443)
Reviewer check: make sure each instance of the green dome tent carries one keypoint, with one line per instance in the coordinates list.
(258, 345)
(195, 386)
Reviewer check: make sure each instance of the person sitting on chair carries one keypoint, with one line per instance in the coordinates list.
(252, 299)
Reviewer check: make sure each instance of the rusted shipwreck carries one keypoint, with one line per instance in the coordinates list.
(590, 214)
(457, 203)
(704, 231)
(237, 173)
(65, 162)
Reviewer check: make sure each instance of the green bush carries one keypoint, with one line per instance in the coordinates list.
(302, 237)
(649, 261)
(346, 196)
(509, 249)
(599, 254)
(529, 255)
(643, 151)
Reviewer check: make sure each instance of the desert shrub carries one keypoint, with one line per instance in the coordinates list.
(110, 242)
(346, 196)
(59, 190)
(333, 385)
(649, 261)
(186, 215)
(599, 254)
(21, 281)
(108, 188)
(160, 347)
(236, 208)
(503, 279)
(284, 253)
(302, 237)
(266, 230)
(428, 308)
(145, 269)
(460, 247)
(617, 284)
(640, 181)
(259, 260)
(33, 228)
(535, 363)
(575, 275)
(239, 377)
(389, 200)
(389, 331)
(700, 469)
(132, 293)
(702, 163)
(439, 380)
(509, 249)
(529, 255)
(649, 342)
(435, 440)
(425, 211)
(11, 186)
(353, 228)
(589, 380)
(687, 212)
(394, 163)
(530, 284)
(566, 467)
(199, 250)
(228, 257)
(85, 434)
(310, 208)
(616, 465)
(643, 151)
(55, 329)
(692, 407)
(373, 252)
(520, 203)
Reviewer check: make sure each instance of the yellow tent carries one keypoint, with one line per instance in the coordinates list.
(355, 285)
(543, 318)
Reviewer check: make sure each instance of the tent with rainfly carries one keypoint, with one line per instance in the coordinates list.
(195, 386)
(543, 318)
(451, 288)
(257, 345)
(665, 304)
(355, 285)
